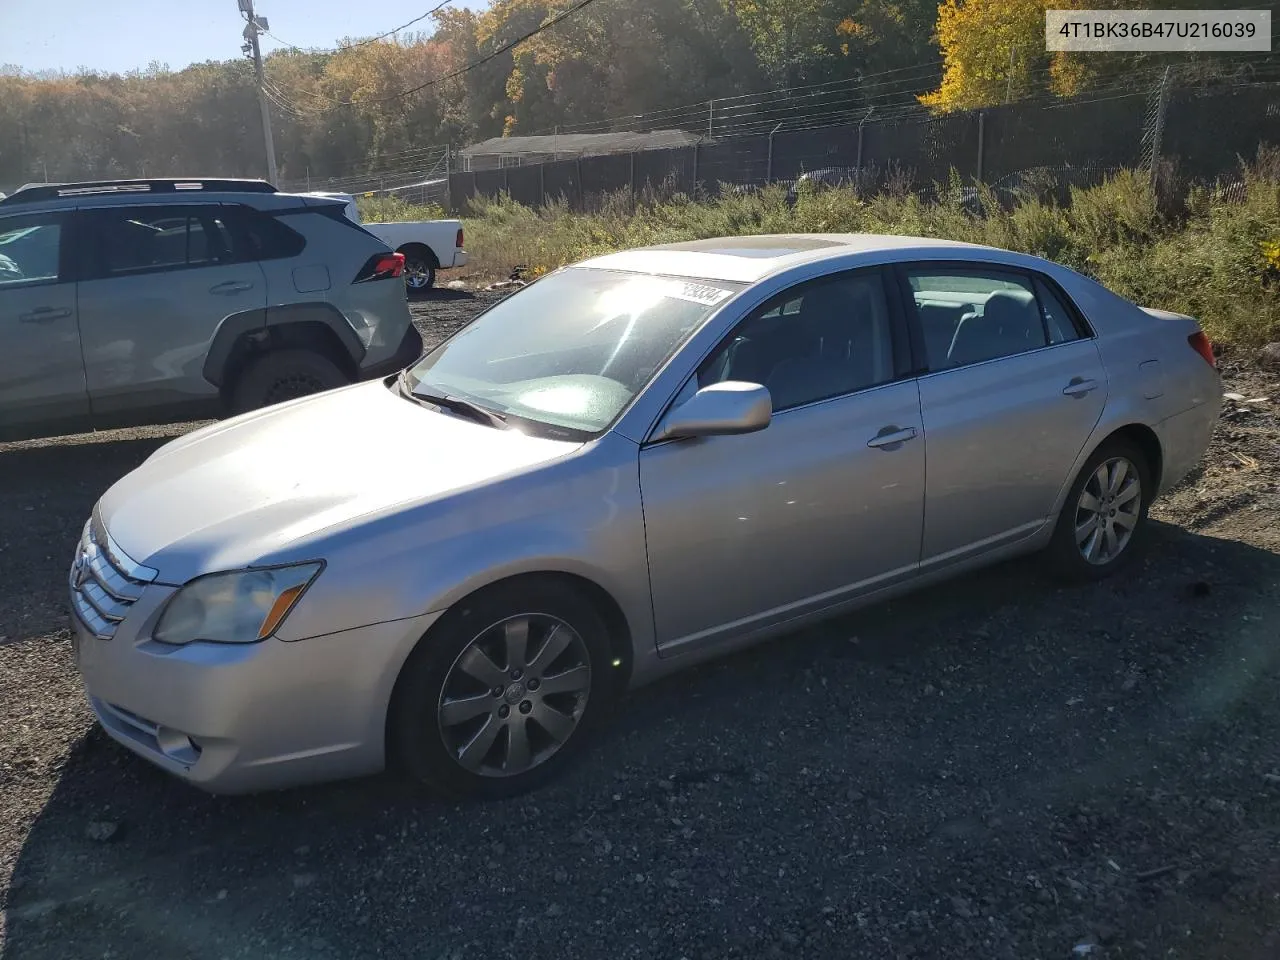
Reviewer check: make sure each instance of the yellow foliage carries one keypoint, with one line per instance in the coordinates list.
(848, 27)
(1271, 254)
(989, 50)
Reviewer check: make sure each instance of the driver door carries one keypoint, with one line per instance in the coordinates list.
(823, 505)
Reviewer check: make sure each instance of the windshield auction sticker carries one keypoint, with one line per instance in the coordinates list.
(1173, 31)
(698, 292)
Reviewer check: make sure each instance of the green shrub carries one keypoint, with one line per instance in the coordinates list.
(392, 209)
(1219, 260)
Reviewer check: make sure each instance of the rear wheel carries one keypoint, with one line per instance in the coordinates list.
(282, 375)
(1104, 519)
(503, 692)
(419, 270)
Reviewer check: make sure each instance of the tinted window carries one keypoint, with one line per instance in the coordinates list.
(1060, 322)
(968, 316)
(29, 249)
(819, 340)
(263, 237)
(131, 240)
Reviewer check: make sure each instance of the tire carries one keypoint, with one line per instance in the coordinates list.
(282, 375)
(419, 271)
(448, 702)
(1068, 552)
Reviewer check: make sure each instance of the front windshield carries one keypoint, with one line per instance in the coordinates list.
(571, 350)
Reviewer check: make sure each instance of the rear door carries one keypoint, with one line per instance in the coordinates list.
(159, 280)
(42, 377)
(1014, 388)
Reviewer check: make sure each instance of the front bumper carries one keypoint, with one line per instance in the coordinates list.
(409, 350)
(236, 718)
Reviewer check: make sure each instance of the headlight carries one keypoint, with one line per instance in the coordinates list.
(240, 607)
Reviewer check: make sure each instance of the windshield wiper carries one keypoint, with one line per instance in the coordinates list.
(464, 407)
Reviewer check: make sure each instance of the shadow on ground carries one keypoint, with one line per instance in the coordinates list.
(994, 767)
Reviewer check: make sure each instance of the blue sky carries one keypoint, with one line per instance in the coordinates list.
(120, 35)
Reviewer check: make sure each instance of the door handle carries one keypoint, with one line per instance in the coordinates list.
(43, 315)
(890, 436)
(1079, 386)
(231, 286)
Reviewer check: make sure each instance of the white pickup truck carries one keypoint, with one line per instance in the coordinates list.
(427, 245)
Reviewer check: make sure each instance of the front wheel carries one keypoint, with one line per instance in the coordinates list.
(503, 692)
(1105, 515)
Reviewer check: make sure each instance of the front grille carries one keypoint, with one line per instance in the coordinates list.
(105, 582)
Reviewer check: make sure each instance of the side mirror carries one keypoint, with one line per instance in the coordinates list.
(718, 409)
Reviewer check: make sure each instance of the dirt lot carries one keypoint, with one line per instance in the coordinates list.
(999, 767)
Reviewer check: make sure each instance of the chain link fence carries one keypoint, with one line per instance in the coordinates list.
(1185, 133)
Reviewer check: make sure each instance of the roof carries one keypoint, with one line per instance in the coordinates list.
(583, 143)
(37, 192)
(748, 259)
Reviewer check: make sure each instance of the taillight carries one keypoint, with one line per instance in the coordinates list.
(381, 266)
(1201, 344)
(459, 243)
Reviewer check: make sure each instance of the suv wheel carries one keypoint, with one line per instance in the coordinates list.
(284, 375)
(503, 692)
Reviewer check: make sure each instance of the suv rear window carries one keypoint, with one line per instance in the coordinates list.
(264, 237)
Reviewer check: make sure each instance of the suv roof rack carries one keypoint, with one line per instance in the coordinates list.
(33, 192)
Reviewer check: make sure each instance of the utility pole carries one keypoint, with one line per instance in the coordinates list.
(255, 25)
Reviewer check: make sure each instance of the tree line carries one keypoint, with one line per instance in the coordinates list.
(344, 112)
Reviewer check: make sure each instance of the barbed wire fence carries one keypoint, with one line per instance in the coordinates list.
(869, 130)
(1040, 142)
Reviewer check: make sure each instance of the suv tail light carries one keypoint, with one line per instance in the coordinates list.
(459, 244)
(381, 266)
(1201, 344)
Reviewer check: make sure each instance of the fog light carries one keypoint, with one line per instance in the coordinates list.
(177, 745)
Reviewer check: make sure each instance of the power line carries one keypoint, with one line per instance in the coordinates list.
(364, 43)
(699, 110)
(547, 25)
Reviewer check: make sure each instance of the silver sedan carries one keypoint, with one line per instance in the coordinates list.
(637, 462)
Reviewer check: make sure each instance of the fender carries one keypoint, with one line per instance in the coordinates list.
(1119, 414)
(250, 323)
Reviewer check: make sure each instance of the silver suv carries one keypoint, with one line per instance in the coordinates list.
(150, 301)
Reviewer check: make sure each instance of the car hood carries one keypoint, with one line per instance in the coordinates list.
(238, 492)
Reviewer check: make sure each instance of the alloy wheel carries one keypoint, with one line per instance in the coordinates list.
(417, 275)
(1108, 511)
(515, 695)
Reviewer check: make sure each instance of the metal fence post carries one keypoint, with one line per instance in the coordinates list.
(982, 140)
(711, 112)
(1157, 134)
(631, 177)
(577, 175)
(858, 164)
(768, 170)
(694, 190)
(542, 184)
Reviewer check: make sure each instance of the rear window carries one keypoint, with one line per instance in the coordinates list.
(264, 237)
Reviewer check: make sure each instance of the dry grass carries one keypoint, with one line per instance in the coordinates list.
(1213, 256)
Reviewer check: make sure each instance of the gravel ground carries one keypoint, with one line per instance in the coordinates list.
(998, 767)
